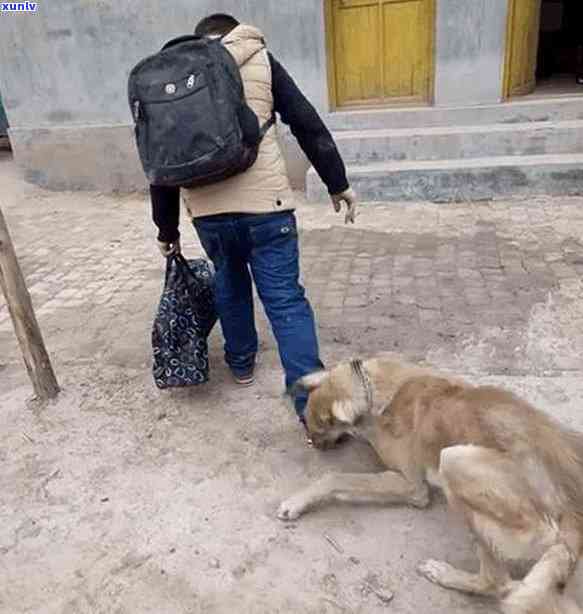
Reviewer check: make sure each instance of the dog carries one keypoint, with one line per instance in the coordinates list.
(514, 473)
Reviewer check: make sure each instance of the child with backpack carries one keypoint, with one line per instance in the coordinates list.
(205, 113)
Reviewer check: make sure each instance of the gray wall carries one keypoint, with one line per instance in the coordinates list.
(64, 72)
(470, 42)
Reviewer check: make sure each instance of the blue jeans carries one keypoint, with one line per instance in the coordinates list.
(263, 247)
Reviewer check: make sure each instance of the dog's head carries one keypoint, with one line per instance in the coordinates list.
(336, 403)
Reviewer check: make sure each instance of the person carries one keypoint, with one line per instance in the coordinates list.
(246, 224)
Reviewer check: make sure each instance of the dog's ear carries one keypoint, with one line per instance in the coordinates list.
(345, 411)
(312, 381)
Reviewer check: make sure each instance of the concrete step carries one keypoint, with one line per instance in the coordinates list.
(561, 108)
(461, 180)
(451, 142)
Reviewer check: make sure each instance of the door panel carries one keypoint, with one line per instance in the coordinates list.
(357, 48)
(407, 49)
(521, 47)
(380, 51)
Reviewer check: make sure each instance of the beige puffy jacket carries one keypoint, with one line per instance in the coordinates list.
(264, 188)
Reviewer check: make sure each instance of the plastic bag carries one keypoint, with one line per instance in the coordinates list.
(185, 318)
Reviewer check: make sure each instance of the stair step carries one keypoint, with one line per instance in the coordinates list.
(452, 142)
(461, 179)
(524, 111)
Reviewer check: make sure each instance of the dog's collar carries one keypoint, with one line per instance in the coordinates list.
(361, 373)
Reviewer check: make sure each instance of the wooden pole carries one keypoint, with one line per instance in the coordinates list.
(26, 327)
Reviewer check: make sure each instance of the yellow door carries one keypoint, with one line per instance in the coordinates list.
(380, 51)
(521, 47)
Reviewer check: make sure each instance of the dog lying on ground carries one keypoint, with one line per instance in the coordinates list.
(515, 474)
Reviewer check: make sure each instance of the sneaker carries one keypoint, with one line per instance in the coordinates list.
(247, 379)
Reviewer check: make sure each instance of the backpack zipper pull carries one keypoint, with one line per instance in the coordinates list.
(136, 110)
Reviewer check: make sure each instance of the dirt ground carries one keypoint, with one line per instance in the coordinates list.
(121, 499)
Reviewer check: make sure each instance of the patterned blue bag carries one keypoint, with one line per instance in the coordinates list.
(185, 318)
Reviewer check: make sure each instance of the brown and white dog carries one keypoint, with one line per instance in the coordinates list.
(515, 474)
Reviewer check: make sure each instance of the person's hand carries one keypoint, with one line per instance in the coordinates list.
(348, 197)
(169, 249)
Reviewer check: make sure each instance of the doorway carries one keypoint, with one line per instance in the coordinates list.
(4, 141)
(380, 52)
(544, 51)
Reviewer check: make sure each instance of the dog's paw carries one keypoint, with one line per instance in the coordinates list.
(291, 509)
(434, 571)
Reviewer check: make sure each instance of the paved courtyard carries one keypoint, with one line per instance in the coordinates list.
(121, 498)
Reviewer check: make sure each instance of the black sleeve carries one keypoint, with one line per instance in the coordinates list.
(166, 212)
(308, 128)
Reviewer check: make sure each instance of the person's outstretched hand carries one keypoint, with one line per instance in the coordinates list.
(348, 197)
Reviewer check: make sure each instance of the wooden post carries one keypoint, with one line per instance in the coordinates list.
(26, 327)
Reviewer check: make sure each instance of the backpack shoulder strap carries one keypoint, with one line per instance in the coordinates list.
(266, 126)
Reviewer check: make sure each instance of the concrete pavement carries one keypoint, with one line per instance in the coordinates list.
(121, 498)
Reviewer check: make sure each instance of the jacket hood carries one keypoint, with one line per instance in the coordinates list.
(243, 42)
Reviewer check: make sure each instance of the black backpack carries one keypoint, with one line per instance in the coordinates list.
(193, 126)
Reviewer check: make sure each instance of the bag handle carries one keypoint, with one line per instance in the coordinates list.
(181, 260)
(181, 263)
(169, 261)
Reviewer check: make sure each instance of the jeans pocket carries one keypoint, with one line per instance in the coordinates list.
(277, 231)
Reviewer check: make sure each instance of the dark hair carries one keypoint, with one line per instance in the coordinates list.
(219, 23)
